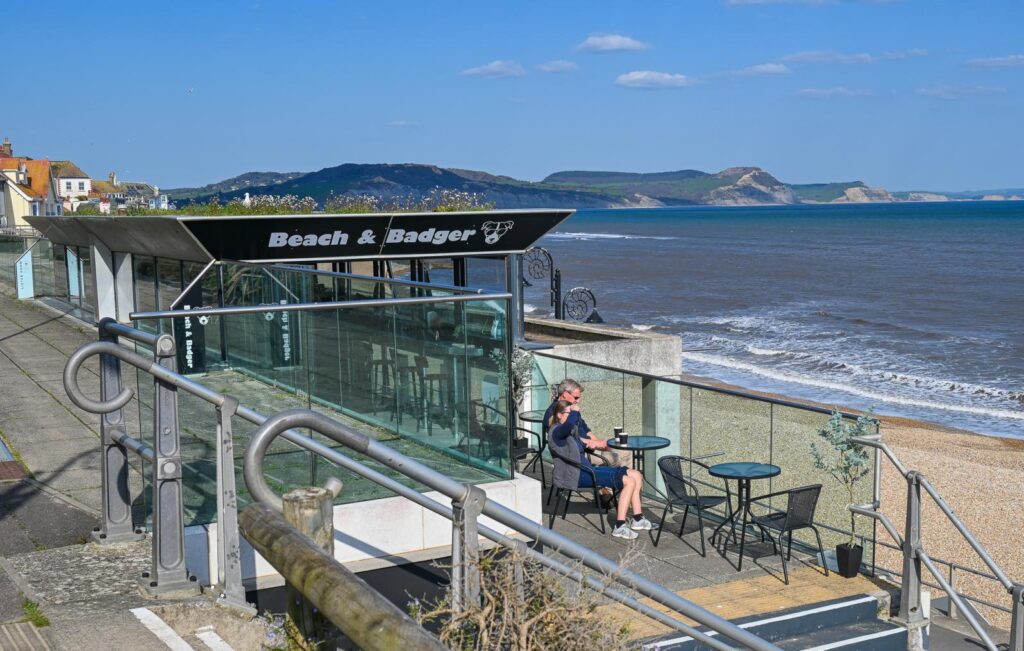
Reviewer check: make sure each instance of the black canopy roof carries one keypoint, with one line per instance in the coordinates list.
(308, 238)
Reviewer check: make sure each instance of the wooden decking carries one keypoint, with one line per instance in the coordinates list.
(751, 596)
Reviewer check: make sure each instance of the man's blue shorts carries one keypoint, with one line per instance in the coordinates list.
(606, 476)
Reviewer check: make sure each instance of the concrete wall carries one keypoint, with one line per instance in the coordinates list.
(641, 352)
(374, 534)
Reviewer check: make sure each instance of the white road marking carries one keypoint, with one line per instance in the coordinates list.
(212, 640)
(160, 629)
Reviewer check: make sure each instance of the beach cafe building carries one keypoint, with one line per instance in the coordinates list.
(400, 325)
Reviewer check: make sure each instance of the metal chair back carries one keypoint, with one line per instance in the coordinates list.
(800, 506)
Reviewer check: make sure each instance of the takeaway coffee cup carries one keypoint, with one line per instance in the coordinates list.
(622, 436)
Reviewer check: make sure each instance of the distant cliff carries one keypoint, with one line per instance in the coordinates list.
(735, 186)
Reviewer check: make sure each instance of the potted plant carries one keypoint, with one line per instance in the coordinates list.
(848, 463)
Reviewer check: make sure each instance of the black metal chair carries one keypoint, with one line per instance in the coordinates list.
(521, 452)
(569, 490)
(799, 514)
(683, 492)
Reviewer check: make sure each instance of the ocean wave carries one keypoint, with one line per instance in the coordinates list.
(529, 309)
(564, 235)
(640, 327)
(853, 389)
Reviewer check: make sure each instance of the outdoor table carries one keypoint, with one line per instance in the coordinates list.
(639, 446)
(532, 416)
(743, 472)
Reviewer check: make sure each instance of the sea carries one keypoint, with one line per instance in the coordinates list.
(906, 309)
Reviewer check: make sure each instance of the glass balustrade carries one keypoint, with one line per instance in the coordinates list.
(422, 378)
(718, 425)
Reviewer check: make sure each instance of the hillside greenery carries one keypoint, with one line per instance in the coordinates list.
(823, 192)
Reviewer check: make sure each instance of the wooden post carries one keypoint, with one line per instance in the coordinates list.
(311, 511)
(367, 617)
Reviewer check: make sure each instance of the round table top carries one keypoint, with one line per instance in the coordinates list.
(744, 470)
(639, 443)
(532, 416)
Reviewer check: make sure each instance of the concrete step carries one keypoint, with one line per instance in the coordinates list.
(849, 623)
(22, 636)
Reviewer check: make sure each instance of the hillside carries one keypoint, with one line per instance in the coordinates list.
(734, 186)
(413, 180)
(241, 182)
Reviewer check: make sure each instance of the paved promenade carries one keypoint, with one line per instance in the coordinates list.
(85, 590)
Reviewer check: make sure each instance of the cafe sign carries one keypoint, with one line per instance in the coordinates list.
(340, 237)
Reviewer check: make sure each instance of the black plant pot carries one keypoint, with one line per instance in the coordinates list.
(848, 559)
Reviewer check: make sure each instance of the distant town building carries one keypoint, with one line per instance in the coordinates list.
(27, 187)
(73, 185)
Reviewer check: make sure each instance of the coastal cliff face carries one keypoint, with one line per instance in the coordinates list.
(864, 194)
(752, 188)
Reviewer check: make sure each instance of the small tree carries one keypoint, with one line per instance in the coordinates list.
(844, 459)
(521, 368)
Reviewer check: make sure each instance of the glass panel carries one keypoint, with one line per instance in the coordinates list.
(60, 272)
(427, 379)
(793, 432)
(486, 273)
(170, 282)
(87, 278)
(145, 283)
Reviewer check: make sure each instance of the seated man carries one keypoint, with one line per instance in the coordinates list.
(564, 424)
(571, 391)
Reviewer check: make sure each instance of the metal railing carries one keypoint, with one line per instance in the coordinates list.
(915, 555)
(468, 502)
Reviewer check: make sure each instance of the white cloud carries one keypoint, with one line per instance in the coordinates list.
(652, 79)
(948, 92)
(763, 69)
(558, 65)
(611, 43)
(1011, 61)
(828, 56)
(828, 93)
(912, 53)
(496, 70)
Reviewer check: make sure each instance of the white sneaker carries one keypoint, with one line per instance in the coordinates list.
(643, 524)
(623, 531)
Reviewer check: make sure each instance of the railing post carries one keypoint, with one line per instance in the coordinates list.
(168, 574)
(911, 614)
(116, 526)
(556, 292)
(1017, 618)
(952, 611)
(229, 561)
(466, 548)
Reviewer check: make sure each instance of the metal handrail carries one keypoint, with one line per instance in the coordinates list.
(914, 554)
(698, 385)
(562, 544)
(282, 422)
(377, 279)
(312, 307)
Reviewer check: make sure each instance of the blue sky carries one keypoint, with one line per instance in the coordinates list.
(911, 94)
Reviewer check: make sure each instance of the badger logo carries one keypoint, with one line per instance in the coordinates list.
(494, 230)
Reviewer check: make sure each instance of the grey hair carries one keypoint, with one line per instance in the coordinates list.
(568, 384)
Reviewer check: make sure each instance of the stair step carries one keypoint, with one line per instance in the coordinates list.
(22, 636)
(799, 622)
(855, 636)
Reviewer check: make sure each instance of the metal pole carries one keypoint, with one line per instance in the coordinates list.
(556, 292)
(466, 548)
(229, 558)
(514, 286)
(116, 526)
(1017, 619)
(911, 615)
(168, 574)
(952, 610)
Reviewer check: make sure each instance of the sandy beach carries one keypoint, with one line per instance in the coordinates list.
(980, 477)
